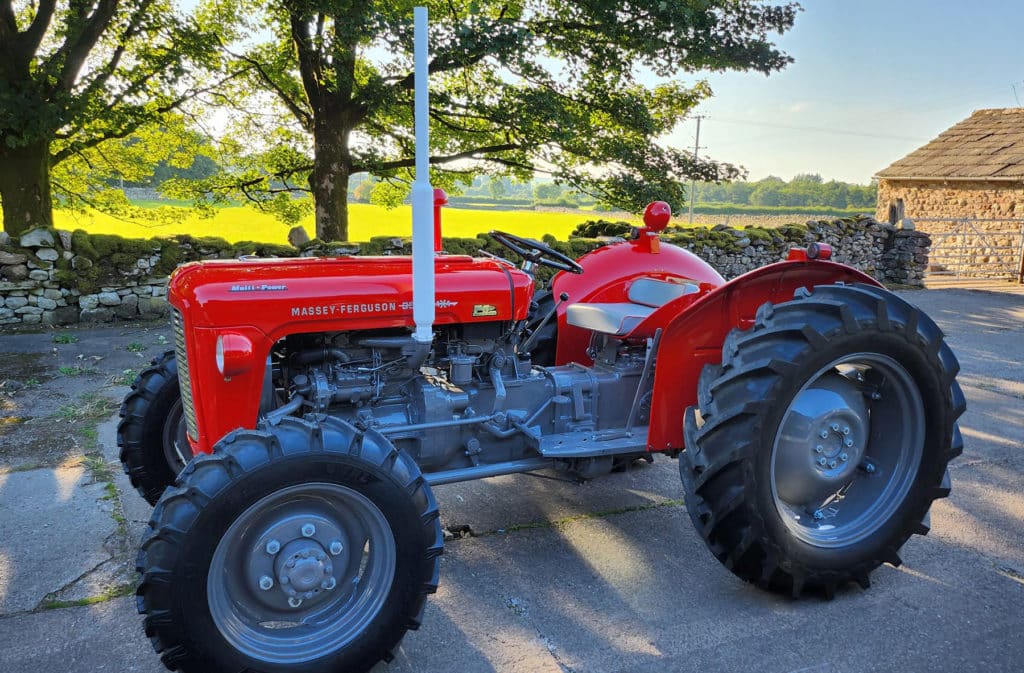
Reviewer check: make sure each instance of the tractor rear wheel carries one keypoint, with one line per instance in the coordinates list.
(151, 434)
(302, 546)
(822, 439)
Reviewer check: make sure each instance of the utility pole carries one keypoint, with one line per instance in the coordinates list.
(696, 147)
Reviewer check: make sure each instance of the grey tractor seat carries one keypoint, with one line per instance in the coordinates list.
(620, 318)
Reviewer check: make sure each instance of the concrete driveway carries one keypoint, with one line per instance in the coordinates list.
(606, 576)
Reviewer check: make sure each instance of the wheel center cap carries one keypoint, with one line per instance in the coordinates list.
(307, 573)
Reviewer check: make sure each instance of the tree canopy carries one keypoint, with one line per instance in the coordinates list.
(78, 78)
(582, 91)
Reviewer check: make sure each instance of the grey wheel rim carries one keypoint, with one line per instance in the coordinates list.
(301, 573)
(177, 451)
(847, 450)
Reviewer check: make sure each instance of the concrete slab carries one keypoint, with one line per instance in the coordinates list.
(609, 576)
(54, 526)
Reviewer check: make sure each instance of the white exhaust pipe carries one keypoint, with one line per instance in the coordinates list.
(422, 195)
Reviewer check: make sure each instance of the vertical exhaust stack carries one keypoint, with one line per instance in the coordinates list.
(422, 195)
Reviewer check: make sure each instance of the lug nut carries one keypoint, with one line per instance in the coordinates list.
(329, 583)
(848, 443)
(844, 457)
(876, 396)
(336, 547)
(831, 463)
(846, 430)
(823, 434)
(308, 530)
(869, 468)
(294, 602)
(821, 460)
(273, 547)
(819, 448)
(818, 516)
(266, 583)
(835, 427)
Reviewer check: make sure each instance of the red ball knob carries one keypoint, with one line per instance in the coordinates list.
(656, 215)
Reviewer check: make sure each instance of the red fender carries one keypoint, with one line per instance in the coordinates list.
(695, 336)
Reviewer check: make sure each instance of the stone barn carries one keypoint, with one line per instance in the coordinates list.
(966, 189)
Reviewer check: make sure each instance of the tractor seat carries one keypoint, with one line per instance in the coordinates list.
(620, 318)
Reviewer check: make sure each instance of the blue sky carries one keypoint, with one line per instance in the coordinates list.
(871, 81)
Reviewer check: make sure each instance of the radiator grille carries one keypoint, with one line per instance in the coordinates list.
(183, 378)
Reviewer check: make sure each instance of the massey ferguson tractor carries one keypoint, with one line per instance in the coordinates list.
(312, 406)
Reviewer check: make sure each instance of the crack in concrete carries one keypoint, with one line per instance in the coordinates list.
(464, 532)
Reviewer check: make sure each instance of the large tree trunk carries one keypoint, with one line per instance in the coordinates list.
(332, 166)
(25, 187)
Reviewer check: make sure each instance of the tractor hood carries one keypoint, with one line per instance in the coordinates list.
(343, 293)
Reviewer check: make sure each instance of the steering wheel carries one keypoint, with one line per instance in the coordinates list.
(536, 252)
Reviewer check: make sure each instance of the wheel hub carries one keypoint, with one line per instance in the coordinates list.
(303, 568)
(822, 440)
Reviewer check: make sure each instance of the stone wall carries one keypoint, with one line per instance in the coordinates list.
(955, 199)
(57, 277)
(963, 242)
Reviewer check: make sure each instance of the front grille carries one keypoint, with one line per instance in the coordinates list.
(183, 378)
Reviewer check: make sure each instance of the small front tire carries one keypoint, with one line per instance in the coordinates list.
(151, 435)
(303, 546)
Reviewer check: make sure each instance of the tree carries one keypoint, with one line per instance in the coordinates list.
(76, 74)
(516, 87)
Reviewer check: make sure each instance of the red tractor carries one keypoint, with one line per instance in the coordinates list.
(813, 414)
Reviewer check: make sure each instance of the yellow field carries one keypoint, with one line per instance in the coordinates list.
(247, 224)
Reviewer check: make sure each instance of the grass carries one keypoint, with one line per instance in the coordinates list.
(135, 347)
(108, 595)
(239, 223)
(77, 371)
(64, 338)
(125, 378)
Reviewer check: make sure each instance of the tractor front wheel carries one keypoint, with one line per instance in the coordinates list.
(821, 441)
(303, 546)
(151, 434)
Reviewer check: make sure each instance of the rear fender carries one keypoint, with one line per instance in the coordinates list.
(694, 337)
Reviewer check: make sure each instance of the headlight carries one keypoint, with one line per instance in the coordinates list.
(233, 355)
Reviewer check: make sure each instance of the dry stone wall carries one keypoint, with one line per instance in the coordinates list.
(58, 277)
(959, 199)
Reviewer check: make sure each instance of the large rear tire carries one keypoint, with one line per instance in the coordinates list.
(151, 434)
(821, 441)
(304, 546)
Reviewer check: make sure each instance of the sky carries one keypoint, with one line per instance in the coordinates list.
(872, 81)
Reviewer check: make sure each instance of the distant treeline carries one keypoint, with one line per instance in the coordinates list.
(804, 191)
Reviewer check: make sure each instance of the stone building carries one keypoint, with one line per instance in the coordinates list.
(975, 169)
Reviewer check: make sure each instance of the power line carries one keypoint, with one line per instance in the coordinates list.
(818, 129)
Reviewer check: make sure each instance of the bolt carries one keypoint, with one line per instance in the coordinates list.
(290, 564)
(308, 530)
(273, 547)
(294, 602)
(818, 516)
(329, 583)
(876, 396)
(846, 429)
(831, 463)
(844, 457)
(266, 583)
(336, 547)
(819, 448)
(823, 434)
(848, 443)
(869, 468)
(835, 427)
(821, 460)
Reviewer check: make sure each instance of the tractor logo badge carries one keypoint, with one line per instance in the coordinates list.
(483, 310)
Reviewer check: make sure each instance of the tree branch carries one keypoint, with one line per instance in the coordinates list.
(79, 43)
(467, 154)
(33, 36)
(304, 117)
